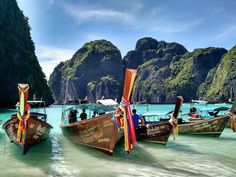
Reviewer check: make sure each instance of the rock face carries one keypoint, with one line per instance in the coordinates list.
(173, 73)
(148, 48)
(17, 56)
(220, 84)
(165, 70)
(94, 71)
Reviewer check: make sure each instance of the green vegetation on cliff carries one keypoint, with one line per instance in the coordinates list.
(161, 83)
(17, 56)
(223, 83)
(94, 71)
(165, 70)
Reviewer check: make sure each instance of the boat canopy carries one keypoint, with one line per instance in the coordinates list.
(36, 102)
(215, 109)
(107, 102)
(221, 109)
(93, 107)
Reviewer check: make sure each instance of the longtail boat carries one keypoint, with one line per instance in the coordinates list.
(158, 131)
(26, 128)
(154, 132)
(217, 114)
(98, 131)
(213, 126)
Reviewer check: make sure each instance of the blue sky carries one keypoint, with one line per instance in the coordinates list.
(61, 27)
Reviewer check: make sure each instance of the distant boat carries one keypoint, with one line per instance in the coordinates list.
(199, 101)
(107, 102)
(26, 128)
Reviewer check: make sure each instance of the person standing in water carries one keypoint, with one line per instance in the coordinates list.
(136, 118)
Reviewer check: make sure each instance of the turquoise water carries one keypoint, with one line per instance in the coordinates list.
(187, 156)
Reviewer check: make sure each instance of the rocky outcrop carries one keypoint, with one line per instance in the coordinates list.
(95, 71)
(148, 48)
(17, 57)
(165, 70)
(160, 80)
(220, 84)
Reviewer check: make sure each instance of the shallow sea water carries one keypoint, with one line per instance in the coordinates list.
(57, 156)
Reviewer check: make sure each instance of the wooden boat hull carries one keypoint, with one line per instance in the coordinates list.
(155, 133)
(37, 131)
(99, 132)
(213, 126)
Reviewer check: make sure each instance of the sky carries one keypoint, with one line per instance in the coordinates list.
(61, 27)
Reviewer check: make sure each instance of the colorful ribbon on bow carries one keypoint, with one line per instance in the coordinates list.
(22, 128)
(24, 107)
(124, 121)
(123, 116)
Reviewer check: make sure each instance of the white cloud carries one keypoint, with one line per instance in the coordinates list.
(49, 57)
(157, 19)
(82, 14)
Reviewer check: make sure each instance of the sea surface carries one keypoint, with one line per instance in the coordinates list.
(186, 156)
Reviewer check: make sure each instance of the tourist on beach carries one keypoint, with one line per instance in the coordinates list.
(83, 115)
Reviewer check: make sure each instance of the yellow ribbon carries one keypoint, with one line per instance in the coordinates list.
(22, 105)
(125, 129)
(174, 123)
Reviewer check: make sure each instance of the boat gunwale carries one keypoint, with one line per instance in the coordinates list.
(13, 116)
